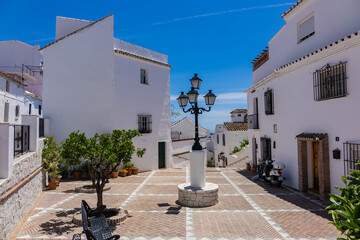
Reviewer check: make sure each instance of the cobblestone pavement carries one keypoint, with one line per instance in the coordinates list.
(246, 210)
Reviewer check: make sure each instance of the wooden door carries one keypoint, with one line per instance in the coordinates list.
(315, 165)
(161, 150)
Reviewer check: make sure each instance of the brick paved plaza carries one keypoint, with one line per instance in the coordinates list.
(246, 210)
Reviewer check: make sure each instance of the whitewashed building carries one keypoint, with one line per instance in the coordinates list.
(182, 138)
(228, 135)
(305, 95)
(25, 61)
(94, 82)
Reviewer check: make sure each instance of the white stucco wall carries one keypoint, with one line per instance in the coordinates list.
(65, 25)
(89, 87)
(296, 111)
(185, 129)
(333, 20)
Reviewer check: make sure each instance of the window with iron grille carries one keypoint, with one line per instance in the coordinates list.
(143, 76)
(351, 157)
(223, 138)
(265, 144)
(330, 82)
(269, 102)
(144, 122)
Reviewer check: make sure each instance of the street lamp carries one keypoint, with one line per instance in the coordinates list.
(192, 97)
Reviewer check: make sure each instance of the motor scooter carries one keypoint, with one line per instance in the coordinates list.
(271, 171)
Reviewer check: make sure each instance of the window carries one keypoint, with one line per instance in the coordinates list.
(17, 111)
(223, 138)
(265, 144)
(269, 102)
(7, 85)
(30, 108)
(239, 115)
(217, 139)
(351, 156)
(143, 76)
(144, 122)
(39, 109)
(306, 28)
(330, 82)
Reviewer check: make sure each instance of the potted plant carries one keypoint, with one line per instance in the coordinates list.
(58, 176)
(253, 169)
(248, 166)
(50, 160)
(115, 172)
(77, 172)
(135, 170)
(128, 166)
(123, 172)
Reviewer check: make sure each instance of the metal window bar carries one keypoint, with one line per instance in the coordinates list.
(351, 157)
(144, 123)
(330, 82)
(253, 121)
(21, 139)
(41, 127)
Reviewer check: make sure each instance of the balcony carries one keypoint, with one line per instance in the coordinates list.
(253, 121)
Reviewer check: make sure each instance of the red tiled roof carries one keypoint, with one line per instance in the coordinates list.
(141, 58)
(231, 126)
(292, 7)
(239, 110)
(10, 77)
(74, 32)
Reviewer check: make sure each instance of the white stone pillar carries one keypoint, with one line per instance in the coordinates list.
(197, 168)
(6, 150)
(46, 127)
(33, 122)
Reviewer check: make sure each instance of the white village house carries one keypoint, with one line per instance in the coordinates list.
(305, 95)
(227, 136)
(94, 82)
(182, 140)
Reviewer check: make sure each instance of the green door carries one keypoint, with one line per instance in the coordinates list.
(161, 148)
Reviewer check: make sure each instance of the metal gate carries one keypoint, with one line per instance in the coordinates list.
(21, 139)
(351, 157)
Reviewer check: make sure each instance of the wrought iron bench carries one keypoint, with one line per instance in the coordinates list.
(99, 228)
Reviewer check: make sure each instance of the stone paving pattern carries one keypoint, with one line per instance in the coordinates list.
(246, 210)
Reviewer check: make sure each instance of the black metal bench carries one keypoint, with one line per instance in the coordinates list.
(99, 228)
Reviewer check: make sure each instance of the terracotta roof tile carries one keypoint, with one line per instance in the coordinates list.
(10, 77)
(141, 58)
(74, 32)
(231, 126)
(239, 110)
(292, 7)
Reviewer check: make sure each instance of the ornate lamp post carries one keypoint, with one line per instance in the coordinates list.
(192, 98)
(197, 155)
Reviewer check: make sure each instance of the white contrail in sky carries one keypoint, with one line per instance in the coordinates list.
(221, 13)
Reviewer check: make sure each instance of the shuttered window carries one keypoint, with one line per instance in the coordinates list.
(306, 29)
(269, 102)
(265, 144)
(144, 122)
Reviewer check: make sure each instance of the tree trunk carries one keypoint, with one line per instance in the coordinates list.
(99, 192)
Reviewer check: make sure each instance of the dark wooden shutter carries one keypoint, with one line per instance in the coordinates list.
(268, 102)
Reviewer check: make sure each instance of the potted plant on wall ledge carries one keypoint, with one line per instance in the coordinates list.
(50, 160)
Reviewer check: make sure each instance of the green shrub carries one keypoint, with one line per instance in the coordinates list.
(345, 208)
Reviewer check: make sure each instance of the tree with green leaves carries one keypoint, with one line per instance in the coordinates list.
(74, 148)
(345, 208)
(108, 151)
(243, 144)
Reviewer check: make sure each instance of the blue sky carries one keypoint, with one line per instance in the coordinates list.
(216, 39)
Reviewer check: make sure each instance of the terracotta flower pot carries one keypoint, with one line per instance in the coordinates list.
(115, 174)
(105, 172)
(122, 174)
(135, 170)
(52, 185)
(58, 178)
(77, 174)
(248, 167)
(129, 171)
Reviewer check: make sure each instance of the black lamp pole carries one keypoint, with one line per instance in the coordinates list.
(194, 109)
